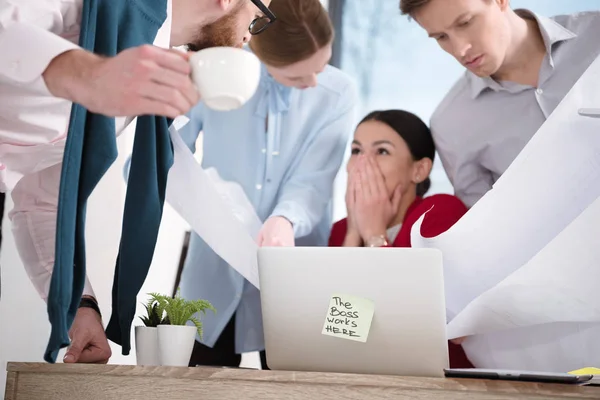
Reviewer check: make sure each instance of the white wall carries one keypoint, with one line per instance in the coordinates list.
(24, 326)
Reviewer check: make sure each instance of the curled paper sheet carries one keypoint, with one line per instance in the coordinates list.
(521, 269)
(234, 196)
(559, 284)
(209, 205)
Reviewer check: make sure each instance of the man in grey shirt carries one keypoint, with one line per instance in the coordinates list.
(520, 66)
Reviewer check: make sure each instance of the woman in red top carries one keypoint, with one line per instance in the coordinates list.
(388, 175)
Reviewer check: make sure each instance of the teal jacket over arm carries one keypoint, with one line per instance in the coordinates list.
(108, 27)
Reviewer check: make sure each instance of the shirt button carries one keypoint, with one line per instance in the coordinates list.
(539, 91)
(258, 186)
(264, 151)
(15, 65)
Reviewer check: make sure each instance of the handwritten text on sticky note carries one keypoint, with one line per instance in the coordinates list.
(349, 317)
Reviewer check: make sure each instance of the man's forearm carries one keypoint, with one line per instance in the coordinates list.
(88, 301)
(70, 73)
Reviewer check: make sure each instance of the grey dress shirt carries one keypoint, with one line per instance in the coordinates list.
(482, 125)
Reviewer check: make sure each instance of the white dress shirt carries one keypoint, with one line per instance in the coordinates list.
(34, 124)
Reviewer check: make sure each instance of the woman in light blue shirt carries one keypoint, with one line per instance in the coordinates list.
(284, 148)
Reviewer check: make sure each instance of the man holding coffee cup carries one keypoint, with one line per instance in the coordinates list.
(43, 72)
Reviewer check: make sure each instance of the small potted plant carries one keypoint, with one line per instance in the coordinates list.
(176, 338)
(146, 336)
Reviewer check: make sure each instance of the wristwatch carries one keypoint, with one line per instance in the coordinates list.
(90, 303)
(377, 241)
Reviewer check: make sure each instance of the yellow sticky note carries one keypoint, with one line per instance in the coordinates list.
(349, 317)
(586, 371)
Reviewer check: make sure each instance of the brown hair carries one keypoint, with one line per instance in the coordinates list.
(409, 7)
(301, 29)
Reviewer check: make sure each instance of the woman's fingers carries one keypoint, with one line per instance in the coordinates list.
(378, 181)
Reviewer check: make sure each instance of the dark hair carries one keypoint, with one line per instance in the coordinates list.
(302, 28)
(414, 132)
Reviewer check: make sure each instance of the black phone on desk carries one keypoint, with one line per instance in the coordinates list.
(512, 375)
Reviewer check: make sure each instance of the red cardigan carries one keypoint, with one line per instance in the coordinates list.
(448, 209)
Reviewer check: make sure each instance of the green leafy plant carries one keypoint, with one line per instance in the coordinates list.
(154, 312)
(179, 310)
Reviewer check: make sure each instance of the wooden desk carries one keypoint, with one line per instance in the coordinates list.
(39, 381)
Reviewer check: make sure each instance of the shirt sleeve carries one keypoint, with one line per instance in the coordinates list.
(468, 177)
(190, 131)
(32, 33)
(306, 193)
(33, 221)
(338, 233)
(446, 211)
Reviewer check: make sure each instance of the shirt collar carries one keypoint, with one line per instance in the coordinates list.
(552, 33)
(275, 96)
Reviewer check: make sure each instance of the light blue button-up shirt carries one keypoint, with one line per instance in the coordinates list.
(284, 147)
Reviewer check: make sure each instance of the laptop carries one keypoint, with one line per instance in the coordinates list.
(354, 310)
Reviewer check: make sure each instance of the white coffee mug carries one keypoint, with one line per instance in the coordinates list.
(226, 77)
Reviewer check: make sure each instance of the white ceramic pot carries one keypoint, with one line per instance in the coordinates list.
(175, 344)
(146, 345)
